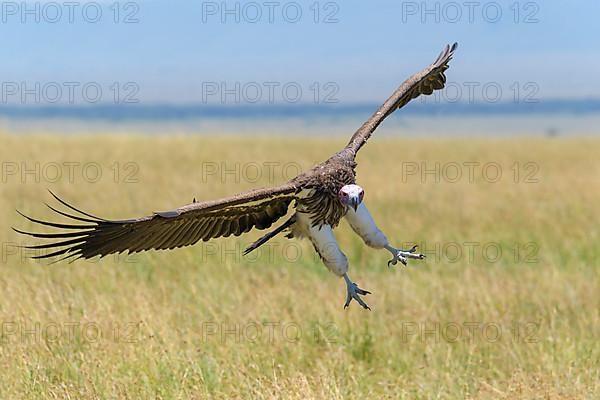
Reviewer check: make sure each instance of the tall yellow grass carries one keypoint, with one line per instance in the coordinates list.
(186, 323)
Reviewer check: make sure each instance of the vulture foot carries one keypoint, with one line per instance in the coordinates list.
(403, 255)
(354, 292)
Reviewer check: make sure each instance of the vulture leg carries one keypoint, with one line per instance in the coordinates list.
(362, 223)
(327, 247)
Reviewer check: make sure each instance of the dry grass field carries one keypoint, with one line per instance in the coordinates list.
(507, 304)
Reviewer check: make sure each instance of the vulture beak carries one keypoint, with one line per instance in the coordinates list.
(354, 202)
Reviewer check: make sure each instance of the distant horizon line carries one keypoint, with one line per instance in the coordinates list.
(171, 111)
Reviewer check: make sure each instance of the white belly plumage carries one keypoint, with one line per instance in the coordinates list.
(323, 241)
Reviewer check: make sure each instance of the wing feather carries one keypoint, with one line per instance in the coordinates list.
(424, 82)
(183, 226)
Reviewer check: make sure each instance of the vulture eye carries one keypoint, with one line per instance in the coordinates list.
(361, 195)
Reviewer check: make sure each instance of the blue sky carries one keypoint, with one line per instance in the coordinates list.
(177, 47)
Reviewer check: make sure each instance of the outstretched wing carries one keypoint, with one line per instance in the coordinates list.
(183, 226)
(424, 82)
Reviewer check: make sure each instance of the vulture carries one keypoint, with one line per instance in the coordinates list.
(320, 197)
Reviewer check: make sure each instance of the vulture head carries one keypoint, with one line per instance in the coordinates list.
(351, 196)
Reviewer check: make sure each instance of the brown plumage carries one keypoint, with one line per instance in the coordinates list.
(314, 192)
(424, 82)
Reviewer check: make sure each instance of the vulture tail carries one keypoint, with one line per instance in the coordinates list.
(270, 235)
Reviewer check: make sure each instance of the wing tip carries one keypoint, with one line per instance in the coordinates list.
(24, 216)
(19, 231)
(446, 54)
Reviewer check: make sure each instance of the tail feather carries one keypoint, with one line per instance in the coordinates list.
(270, 235)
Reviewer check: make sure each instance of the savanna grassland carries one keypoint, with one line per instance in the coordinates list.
(507, 304)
